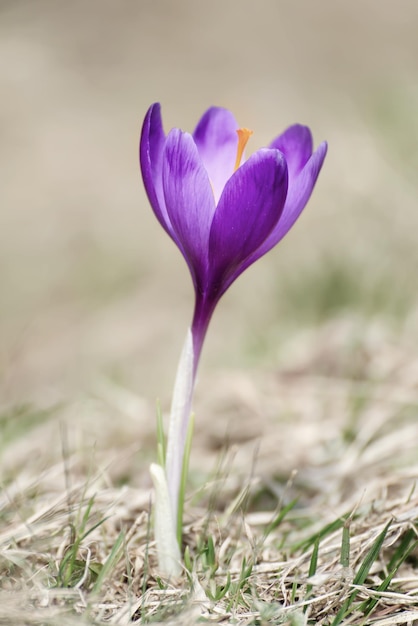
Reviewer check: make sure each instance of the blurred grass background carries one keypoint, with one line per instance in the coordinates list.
(90, 284)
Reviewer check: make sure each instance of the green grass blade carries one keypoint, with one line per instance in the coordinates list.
(110, 562)
(312, 570)
(371, 557)
(326, 530)
(276, 521)
(407, 538)
(146, 570)
(368, 605)
(362, 573)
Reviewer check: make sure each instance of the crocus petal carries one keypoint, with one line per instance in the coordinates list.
(299, 192)
(216, 139)
(296, 143)
(248, 210)
(151, 148)
(189, 200)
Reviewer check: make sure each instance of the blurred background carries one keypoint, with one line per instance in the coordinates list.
(91, 286)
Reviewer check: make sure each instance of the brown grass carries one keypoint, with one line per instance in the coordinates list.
(344, 447)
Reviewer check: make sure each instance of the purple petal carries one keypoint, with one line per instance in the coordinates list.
(299, 192)
(249, 208)
(151, 148)
(217, 141)
(296, 144)
(189, 201)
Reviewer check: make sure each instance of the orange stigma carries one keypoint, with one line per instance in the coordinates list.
(243, 136)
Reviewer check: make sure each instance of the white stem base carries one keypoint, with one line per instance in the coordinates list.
(169, 560)
(181, 407)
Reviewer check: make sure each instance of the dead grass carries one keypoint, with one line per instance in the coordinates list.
(294, 478)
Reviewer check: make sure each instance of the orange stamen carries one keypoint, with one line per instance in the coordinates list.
(243, 136)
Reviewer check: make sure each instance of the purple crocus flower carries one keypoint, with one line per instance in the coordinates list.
(222, 211)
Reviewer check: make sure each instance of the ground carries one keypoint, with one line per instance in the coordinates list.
(301, 500)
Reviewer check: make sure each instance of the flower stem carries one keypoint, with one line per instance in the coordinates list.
(202, 315)
(179, 418)
(183, 480)
(179, 437)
